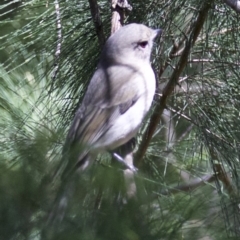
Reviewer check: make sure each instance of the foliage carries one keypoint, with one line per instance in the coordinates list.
(198, 136)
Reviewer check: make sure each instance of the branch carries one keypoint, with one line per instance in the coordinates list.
(185, 133)
(171, 140)
(206, 130)
(234, 4)
(197, 182)
(192, 185)
(118, 7)
(237, 64)
(156, 116)
(176, 49)
(219, 171)
(97, 21)
(59, 40)
(217, 33)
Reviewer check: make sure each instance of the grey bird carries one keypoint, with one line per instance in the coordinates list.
(117, 99)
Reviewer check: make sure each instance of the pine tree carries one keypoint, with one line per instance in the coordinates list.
(187, 152)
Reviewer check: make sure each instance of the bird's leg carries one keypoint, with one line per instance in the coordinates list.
(121, 154)
(122, 161)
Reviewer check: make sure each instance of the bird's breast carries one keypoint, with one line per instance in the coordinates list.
(126, 125)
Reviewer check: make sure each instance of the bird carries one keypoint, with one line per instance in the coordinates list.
(118, 97)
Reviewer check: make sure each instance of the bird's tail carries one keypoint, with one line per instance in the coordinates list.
(65, 192)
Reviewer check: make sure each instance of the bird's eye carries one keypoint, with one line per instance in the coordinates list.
(143, 44)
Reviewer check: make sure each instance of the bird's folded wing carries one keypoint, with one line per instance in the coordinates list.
(105, 99)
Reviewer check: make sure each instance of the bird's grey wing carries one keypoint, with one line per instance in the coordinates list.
(123, 107)
(111, 92)
(84, 131)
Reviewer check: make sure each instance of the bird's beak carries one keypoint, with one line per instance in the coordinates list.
(157, 32)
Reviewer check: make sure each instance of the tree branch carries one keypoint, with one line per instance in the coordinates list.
(97, 21)
(156, 116)
(213, 61)
(118, 7)
(197, 182)
(219, 171)
(204, 129)
(59, 40)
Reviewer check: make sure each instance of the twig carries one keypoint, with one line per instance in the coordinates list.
(213, 61)
(219, 174)
(219, 171)
(192, 185)
(217, 33)
(156, 116)
(59, 40)
(97, 21)
(185, 133)
(118, 7)
(175, 49)
(204, 129)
